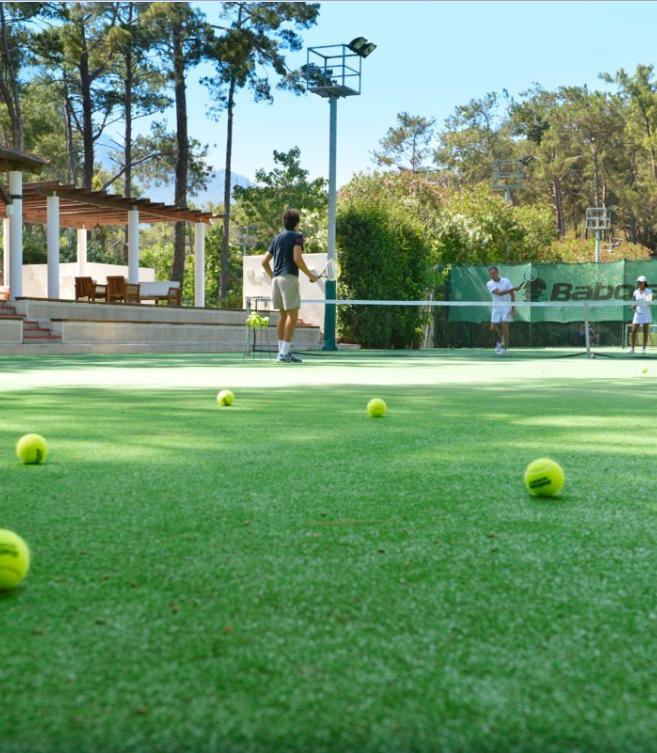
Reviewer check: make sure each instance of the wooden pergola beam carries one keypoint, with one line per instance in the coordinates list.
(101, 199)
(97, 203)
(10, 159)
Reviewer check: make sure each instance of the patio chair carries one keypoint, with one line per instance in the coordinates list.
(87, 287)
(118, 289)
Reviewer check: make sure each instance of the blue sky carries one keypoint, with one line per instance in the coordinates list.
(431, 57)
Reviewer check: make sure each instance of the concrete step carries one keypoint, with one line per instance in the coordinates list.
(60, 348)
(39, 334)
(159, 335)
(36, 330)
(129, 313)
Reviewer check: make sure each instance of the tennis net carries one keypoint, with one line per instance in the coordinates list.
(548, 328)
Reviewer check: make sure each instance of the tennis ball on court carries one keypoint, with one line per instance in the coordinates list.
(14, 559)
(544, 478)
(225, 398)
(32, 449)
(377, 408)
(644, 371)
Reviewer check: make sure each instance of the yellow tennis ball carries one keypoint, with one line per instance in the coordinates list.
(644, 371)
(32, 449)
(225, 398)
(377, 408)
(544, 478)
(14, 559)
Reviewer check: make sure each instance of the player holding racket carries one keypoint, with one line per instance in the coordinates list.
(503, 311)
(286, 249)
(642, 314)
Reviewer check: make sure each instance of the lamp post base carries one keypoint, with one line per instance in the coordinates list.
(329, 347)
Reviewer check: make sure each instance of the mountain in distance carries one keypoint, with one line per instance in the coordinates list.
(213, 194)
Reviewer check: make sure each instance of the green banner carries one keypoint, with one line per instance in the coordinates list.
(555, 283)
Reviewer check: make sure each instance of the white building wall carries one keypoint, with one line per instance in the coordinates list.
(35, 277)
(256, 283)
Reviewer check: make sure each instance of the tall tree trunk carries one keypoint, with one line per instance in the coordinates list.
(633, 229)
(558, 205)
(651, 147)
(596, 176)
(127, 149)
(127, 153)
(87, 114)
(68, 127)
(10, 87)
(182, 153)
(223, 287)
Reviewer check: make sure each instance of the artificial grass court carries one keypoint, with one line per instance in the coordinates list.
(288, 574)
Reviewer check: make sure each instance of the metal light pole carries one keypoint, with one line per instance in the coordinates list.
(330, 73)
(598, 220)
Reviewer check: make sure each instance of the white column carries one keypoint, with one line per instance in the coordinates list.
(5, 250)
(199, 265)
(16, 234)
(82, 252)
(133, 245)
(53, 246)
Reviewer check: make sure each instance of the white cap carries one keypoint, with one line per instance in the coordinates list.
(642, 278)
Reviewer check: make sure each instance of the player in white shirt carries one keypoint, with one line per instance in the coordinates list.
(503, 294)
(642, 314)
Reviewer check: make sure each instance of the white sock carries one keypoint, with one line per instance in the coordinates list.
(280, 346)
(285, 347)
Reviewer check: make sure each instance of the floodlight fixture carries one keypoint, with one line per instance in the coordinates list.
(508, 175)
(361, 47)
(598, 219)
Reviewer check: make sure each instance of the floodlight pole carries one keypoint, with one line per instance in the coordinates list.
(331, 287)
(331, 74)
(597, 219)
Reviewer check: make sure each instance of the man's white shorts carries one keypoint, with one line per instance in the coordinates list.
(285, 292)
(642, 318)
(501, 314)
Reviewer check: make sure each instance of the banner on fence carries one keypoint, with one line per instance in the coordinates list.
(556, 283)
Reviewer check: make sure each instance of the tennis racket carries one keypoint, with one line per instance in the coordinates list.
(530, 276)
(331, 271)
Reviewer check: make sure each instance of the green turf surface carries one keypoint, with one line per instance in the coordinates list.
(289, 574)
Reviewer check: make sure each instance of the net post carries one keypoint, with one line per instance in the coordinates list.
(329, 317)
(587, 331)
(247, 334)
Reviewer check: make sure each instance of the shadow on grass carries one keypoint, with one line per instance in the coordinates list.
(366, 357)
(189, 424)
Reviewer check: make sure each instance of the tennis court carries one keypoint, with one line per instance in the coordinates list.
(288, 574)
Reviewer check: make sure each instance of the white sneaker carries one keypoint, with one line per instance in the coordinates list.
(498, 348)
(631, 350)
(503, 351)
(643, 351)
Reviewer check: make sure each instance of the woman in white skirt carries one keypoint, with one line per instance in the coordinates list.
(642, 315)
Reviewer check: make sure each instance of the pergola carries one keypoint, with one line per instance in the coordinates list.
(58, 205)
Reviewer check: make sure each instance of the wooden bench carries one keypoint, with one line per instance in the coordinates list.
(119, 290)
(161, 290)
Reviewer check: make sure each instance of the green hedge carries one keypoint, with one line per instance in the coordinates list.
(384, 255)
